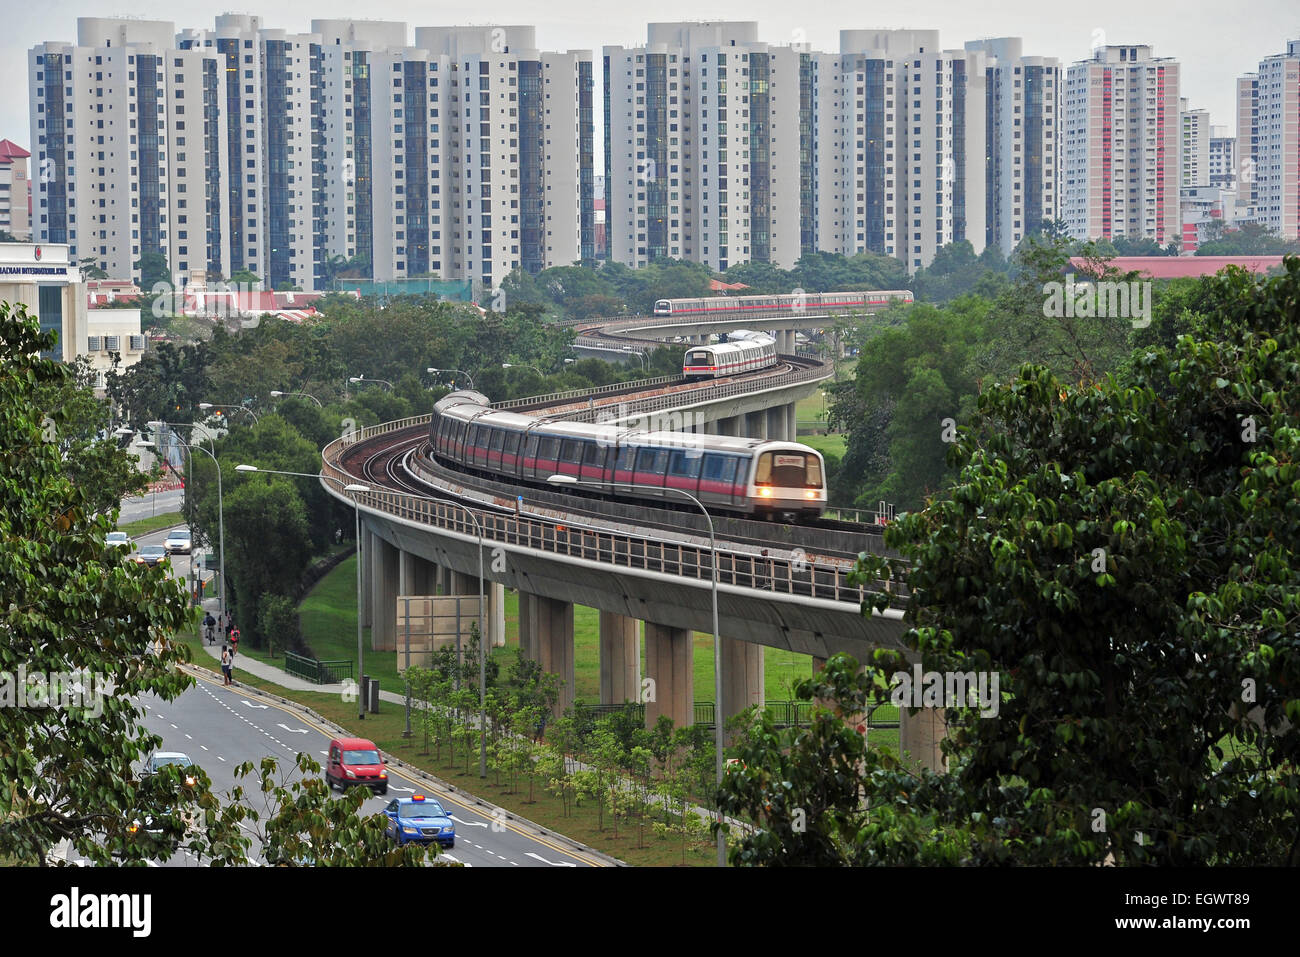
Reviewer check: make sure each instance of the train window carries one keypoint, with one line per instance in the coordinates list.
(652, 461)
(511, 445)
(548, 448)
(700, 358)
(625, 456)
(813, 473)
(781, 469)
(719, 468)
(498, 436)
(685, 463)
(530, 448)
(593, 456)
(571, 451)
(475, 434)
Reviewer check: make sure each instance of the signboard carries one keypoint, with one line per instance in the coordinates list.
(789, 460)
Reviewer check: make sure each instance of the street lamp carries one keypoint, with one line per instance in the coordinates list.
(717, 643)
(433, 371)
(354, 488)
(361, 378)
(221, 509)
(209, 405)
(520, 365)
(630, 351)
(277, 393)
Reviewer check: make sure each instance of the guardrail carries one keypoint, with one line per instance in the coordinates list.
(584, 393)
(793, 576)
(320, 671)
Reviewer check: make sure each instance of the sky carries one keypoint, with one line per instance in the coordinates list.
(1214, 41)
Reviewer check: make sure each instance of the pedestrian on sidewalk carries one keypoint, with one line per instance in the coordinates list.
(209, 629)
(225, 664)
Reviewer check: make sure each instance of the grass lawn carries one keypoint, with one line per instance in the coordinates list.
(833, 444)
(142, 526)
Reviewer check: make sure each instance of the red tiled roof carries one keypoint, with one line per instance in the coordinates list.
(1182, 267)
(10, 150)
(717, 285)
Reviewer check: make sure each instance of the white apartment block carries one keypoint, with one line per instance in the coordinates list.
(1022, 141)
(121, 130)
(1222, 158)
(1122, 145)
(1195, 148)
(465, 155)
(1268, 138)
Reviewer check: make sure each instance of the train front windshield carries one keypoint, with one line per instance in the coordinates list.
(700, 358)
(788, 470)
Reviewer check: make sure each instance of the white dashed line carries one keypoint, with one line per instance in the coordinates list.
(220, 758)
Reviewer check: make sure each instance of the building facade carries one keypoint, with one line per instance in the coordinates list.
(1122, 145)
(15, 191)
(1268, 138)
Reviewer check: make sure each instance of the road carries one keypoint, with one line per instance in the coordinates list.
(148, 505)
(221, 727)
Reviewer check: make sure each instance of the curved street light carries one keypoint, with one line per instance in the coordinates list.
(277, 393)
(363, 379)
(210, 405)
(630, 351)
(717, 643)
(520, 365)
(432, 371)
(354, 488)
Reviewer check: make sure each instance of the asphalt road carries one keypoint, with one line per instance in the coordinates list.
(221, 727)
(148, 505)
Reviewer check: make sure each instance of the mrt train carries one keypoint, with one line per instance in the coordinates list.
(752, 477)
(742, 352)
(724, 306)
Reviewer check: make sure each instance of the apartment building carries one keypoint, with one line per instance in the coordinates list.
(1268, 138)
(15, 191)
(1195, 147)
(1222, 158)
(1122, 145)
(123, 147)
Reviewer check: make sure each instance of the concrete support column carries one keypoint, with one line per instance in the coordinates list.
(620, 659)
(728, 426)
(776, 423)
(416, 575)
(742, 676)
(756, 424)
(791, 422)
(550, 637)
(497, 614)
(384, 569)
(668, 662)
(919, 736)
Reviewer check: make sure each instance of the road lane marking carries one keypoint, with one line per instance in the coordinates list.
(295, 730)
(259, 707)
(539, 857)
(220, 758)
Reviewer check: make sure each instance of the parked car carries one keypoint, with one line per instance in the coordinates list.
(355, 761)
(178, 540)
(420, 819)
(118, 539)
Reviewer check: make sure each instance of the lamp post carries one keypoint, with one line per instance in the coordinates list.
(221, 511)
(520, 365)
(433, 371)
(210, 405)
(361, 378)
(354, 488)
(630, 351)
(277, 393)
(717, 643)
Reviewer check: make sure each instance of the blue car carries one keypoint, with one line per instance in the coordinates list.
(420, 819)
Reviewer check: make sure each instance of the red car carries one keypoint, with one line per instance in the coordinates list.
(355, 761)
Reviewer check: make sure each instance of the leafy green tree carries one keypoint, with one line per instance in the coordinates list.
(1122, 556)
(267, 544)
(153, 270)
(1249, 239)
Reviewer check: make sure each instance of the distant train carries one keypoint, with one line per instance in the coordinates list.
(754, 305)
(745, 476)
(742, 352)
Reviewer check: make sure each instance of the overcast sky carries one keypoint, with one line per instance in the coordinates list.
(1215, 41)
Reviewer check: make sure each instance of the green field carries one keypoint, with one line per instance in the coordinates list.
(826, 444)
(144, 526)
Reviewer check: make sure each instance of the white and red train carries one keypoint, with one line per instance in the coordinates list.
(745, 476)
(742, 352)
(821, 302)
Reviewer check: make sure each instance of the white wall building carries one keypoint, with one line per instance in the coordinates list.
(1268, 138)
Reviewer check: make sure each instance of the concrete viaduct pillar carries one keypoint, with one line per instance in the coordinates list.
(620, 659)
(729, 426)
(416, 575)
(366, 548)
(668, 662)
(791, 422)
(756, 424)
(549, 628)
(494, 612)
(742, 676)
(384, 578)
(919, 736)
(776, 424)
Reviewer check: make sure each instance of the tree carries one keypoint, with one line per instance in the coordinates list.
(1123, 557)
(245, 276)
(153, 270)
(267, 544)
(90, 269)
(1248, 239)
